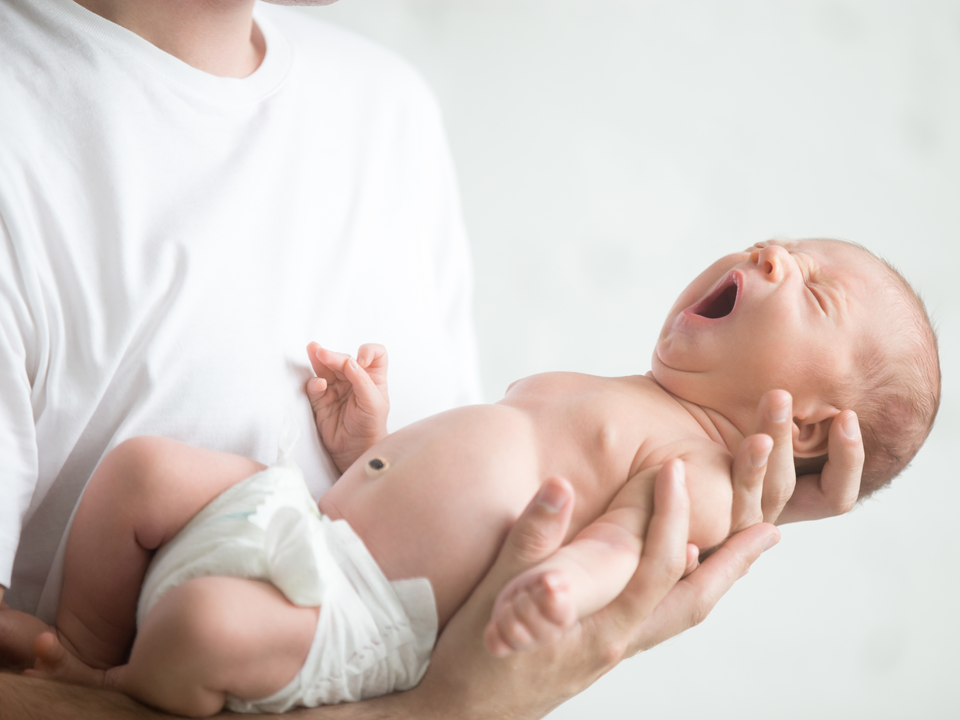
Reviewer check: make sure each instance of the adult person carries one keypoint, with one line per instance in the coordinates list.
(186, 187)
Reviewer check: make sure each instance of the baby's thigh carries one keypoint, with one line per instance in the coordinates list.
(153, 486)
(225, 634)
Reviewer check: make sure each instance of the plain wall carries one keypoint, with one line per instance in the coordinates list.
(610, 150)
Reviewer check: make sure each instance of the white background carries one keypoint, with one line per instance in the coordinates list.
(607, 152)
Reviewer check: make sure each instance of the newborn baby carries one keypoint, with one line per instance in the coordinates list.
(306, 608)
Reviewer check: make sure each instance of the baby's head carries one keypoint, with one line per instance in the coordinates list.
(824, 319)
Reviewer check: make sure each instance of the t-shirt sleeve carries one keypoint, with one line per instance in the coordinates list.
(18, 441)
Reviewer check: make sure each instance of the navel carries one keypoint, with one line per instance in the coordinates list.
(376, 467)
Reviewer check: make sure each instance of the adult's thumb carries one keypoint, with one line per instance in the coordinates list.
(540, 529)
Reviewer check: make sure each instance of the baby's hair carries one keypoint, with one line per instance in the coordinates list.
(898, 382)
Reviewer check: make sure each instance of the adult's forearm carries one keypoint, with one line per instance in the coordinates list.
(24, 698)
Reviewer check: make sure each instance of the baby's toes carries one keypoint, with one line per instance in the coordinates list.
(511, 629)
(54, 662)
(550, 592)
(542, 630)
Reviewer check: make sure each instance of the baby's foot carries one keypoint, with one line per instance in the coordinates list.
(18, 631)
(55, 662)
(532, 610)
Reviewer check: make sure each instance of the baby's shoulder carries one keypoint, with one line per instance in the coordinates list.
(550, 382)
(557, 389)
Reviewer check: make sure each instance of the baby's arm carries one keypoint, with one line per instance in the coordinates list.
(349, 400)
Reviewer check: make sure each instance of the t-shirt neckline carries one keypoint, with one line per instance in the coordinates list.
(218, 90)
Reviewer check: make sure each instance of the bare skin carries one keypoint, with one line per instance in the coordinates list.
(607, 436)
(217, 37)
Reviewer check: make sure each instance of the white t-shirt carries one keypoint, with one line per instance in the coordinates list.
(170, 241)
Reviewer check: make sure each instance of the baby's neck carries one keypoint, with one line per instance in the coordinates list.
(716, 425)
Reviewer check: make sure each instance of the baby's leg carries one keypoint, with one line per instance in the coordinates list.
(140, 496)
(579, 579)
(18, 630)
(203, 639)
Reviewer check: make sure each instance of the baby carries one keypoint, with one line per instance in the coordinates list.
(257, 601)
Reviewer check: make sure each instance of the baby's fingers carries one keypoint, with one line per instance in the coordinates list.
(317, 393)
(326, 363)
(370, 398)
(373, 358)
(316, 387)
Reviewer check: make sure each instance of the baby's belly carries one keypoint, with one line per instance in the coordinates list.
(449, 490)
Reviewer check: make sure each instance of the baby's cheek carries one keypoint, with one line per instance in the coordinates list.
(710, 507)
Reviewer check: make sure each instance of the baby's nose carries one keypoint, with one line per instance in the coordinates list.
(770, 260)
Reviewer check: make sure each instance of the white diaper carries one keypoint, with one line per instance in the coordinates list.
(373, 636)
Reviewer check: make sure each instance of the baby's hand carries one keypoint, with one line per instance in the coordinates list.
(349, 400)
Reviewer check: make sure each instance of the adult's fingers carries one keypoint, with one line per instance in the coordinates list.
(537, 533)
(749, 469)
(841, 476)
(692, 599)
(693, 559)
(664, 557)
(835, 490)
(775, 418)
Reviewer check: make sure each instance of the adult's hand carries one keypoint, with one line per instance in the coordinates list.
(785, 497)
(465, 680)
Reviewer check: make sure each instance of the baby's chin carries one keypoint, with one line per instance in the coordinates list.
(668, 378)
(658, 368)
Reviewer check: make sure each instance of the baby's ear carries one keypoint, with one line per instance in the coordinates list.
(812, 432)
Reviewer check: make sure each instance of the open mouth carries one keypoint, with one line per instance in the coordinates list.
(721, 301)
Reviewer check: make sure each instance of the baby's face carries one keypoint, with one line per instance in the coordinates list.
(788, 315)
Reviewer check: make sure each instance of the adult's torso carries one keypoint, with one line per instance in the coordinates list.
(172, 241)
